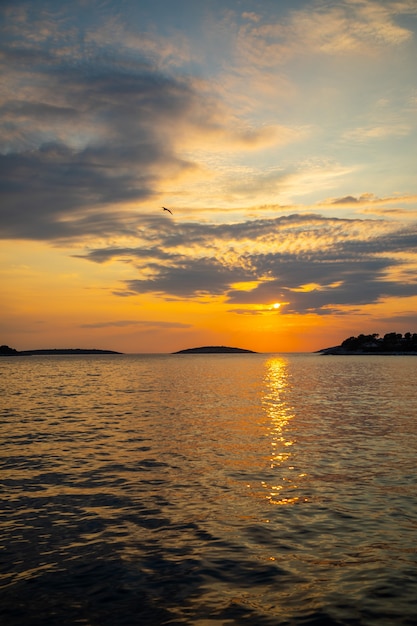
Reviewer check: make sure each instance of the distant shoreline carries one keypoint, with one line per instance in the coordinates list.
(54, 351)
(339, 351)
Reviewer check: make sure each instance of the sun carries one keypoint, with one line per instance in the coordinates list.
(276, 305)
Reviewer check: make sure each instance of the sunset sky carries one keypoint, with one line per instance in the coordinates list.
(282, 134)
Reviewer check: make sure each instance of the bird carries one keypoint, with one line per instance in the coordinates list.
(165, 209)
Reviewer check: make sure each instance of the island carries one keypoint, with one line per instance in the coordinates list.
(6, 351)
(215, 350)
(390, 343)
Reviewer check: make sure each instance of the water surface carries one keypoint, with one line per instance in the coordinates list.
(208, 490)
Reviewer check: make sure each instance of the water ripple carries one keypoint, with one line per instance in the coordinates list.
(221, 490)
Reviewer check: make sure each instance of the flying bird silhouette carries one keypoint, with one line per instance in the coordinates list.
(169, 210)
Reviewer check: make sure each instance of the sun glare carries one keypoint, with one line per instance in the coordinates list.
(276, 305)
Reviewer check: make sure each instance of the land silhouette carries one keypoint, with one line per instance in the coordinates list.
(391, 343)
(213, 350)
(6, 351)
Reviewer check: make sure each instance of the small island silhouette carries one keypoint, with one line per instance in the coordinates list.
(6, 351)
(214, 350)
(391, 343)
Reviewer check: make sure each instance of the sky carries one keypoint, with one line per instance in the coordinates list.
(282, 136)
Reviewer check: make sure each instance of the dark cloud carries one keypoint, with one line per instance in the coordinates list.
(91, 125)
(189, 278)
(54, 192)
(334, 263)
(354, 284)
(81, 138)
(161, 236)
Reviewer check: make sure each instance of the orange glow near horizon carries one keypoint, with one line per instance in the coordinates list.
(55, 300)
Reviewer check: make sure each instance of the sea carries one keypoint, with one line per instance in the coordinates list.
(208, 490)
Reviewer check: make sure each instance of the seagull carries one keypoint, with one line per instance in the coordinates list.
(165, 209)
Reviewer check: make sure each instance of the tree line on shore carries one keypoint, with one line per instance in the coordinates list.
(390, 342)
(5, 350)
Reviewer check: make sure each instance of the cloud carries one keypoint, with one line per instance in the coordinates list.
(369, 204)
(310, 262)
(141, 323)
(347, 27)
(96, 125)
(393, 212)
(369, 199)
(250, 15)
(364, 134)
(190, 278)
(346, 200)
(85, 133)
(72, 189)
(99, 121)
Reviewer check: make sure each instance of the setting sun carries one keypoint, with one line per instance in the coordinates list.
(276, 305)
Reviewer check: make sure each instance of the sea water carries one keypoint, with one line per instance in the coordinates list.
(222, 489)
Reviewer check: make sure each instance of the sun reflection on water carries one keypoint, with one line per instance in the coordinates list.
(285, 476)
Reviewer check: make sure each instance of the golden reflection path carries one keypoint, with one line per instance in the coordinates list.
(286, 476)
